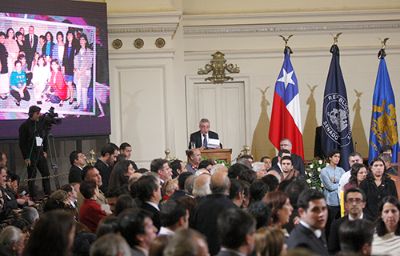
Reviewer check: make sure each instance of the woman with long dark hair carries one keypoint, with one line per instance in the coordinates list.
(48, 46)
(358, 174)
(83, 72)
(70, 51)
(377, 186)
(119, 177)
(387, 238)
(53, 235)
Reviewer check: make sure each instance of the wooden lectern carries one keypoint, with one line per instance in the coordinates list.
(217, 154)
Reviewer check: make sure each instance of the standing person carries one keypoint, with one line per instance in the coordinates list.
(83, 72)
(31, 44)
(12, 49)
(39, 47)
(313, 215)
(18, 84)
(47, 49)
(297, 161)
(358, 174)
(330, 176)
(33, 145)
(200, 138)
(377, 186)
(4, 81)
(78, 161)
(68, 63)
(39, 79)
(354, 202)
(20, 42)
(387, 238)
(354, 158)
(58, 49)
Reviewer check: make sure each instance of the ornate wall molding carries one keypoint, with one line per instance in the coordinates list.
(303, 22)
(262, 29)
(152, 24)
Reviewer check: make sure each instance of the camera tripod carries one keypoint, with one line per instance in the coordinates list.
(52, 157)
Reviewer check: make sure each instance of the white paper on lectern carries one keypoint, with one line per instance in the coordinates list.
(213, 143)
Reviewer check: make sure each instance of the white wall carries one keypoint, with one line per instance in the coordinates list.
(148, 85)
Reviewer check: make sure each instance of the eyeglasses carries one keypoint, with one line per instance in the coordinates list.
(354, 200)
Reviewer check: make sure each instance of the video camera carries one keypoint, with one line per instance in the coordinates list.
(49, 118)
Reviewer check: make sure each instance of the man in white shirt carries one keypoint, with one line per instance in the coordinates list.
(354, 200)
(173, 215)
(354, 157)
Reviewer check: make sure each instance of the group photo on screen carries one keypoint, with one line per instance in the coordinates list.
(48, 64)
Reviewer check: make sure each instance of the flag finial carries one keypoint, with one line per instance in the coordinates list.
(382, 52)
(287, 48)
(336, 37)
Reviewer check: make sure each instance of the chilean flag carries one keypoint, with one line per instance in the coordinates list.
(285, 117)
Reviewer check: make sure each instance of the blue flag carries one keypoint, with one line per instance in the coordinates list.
(336, 132)
(383, 121)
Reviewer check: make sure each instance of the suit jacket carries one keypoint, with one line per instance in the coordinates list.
(105, 172)
(297, 161)
(75, 174)
(30, 51)
(205, 218)
(155, 215)
(302, 237)
(198, 139)
(333, 241)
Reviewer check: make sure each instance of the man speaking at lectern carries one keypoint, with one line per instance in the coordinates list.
(204, 138)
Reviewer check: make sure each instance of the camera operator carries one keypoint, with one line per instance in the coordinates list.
(33, 145)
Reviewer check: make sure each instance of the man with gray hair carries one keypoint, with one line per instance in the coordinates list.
(207, 211)
(201, 185)
(200, 138)
(110, 244)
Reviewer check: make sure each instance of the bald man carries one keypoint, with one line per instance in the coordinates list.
(206, 214)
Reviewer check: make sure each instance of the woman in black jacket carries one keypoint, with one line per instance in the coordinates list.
(377, 186)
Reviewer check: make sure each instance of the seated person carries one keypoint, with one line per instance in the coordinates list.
(90, 212)
(18, 84)
(201, 138)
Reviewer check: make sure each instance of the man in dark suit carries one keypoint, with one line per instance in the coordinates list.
(309, 233)
(148, 190)
(78, 161)
(236, 229)
(206, 213)
(354, 202)
(30, 45)
(356, 237)
(200, 138)
(297, 161)
(105, 163)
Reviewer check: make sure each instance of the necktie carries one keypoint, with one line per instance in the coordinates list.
(205, 141)
(31, 41)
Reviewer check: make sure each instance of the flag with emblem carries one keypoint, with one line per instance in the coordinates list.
(336, 131)
(383, 121)
(285, 116)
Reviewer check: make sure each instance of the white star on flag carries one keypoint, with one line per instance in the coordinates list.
(286, 78)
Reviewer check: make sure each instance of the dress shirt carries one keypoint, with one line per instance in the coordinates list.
(330, 177)
(165, 231)
(153, 204)
(317, 232)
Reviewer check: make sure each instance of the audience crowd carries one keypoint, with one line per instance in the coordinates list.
(202, 208)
